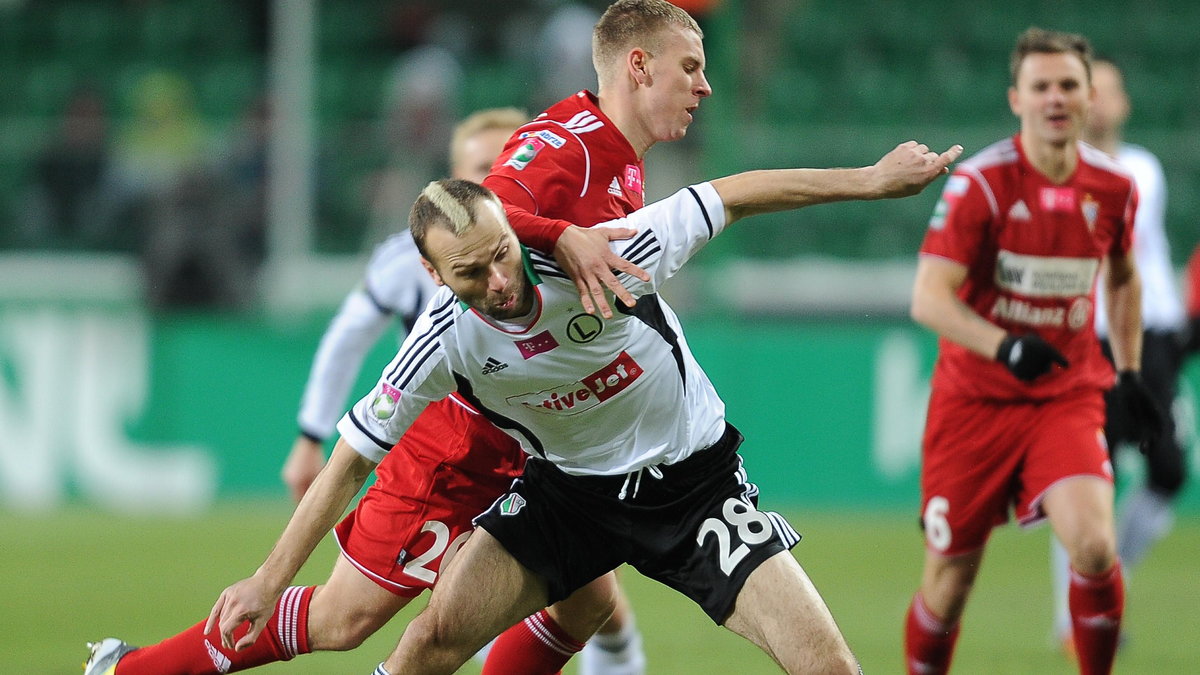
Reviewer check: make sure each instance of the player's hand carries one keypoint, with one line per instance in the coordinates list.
(1028, 356)
(303, 463)
(584, 255)
(909, 167)
(247, 600)
(1131, 399)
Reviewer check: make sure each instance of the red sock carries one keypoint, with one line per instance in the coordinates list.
(928, 641)
(193, 653)
(1096, 607)
(535, 646)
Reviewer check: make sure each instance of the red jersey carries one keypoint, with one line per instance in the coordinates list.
(1033, 249)
(569, 166)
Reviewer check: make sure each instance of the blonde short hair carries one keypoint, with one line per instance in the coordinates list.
(503, 119)
(635, 23)
(450, 204)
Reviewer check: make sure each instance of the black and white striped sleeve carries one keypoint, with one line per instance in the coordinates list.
(417, 376)
(670, 232)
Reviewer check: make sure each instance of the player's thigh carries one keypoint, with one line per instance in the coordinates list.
(348, 608)
(780, 610)
(1065, 443)
(1080, 510)
(484, 592)
(970, 454)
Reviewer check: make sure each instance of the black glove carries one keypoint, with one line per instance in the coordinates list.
(1142, 418)
(1190, 336)
(1028, 356)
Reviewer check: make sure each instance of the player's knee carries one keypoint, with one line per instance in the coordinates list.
(836, 662)
(587, 609)
(343, 634)
(433, 636)
(1094, 553)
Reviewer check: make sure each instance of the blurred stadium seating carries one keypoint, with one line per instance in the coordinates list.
(838, 84)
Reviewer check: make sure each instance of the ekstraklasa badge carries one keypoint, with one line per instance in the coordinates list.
(511, 505)
(525, 153)
(384, 405)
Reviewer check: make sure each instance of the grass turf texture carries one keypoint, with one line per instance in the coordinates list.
(75, 576)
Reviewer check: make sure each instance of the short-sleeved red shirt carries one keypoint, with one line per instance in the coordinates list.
(1033, 249)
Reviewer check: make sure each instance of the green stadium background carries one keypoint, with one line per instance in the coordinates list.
(121, 412)
(800, 318)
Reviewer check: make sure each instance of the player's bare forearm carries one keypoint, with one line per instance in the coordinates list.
(904, 171)
(936, 305)
(318, 511)
(1123, 304)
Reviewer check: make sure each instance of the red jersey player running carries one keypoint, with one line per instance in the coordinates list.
(1007, 278)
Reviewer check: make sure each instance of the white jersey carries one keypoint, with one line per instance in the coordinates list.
(1161, 306)
(395, 285)
(593, 396)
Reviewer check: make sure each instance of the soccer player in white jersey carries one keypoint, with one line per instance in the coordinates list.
(631, 459)
(450, 467)
(1145, 514)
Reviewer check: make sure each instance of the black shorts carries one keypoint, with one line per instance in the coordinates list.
(693, 525)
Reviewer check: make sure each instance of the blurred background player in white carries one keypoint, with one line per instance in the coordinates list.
(393, 287)
(1145, 514)
(368, 587)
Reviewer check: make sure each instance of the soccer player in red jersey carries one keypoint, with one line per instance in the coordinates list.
(580, 163)
(1006, 278)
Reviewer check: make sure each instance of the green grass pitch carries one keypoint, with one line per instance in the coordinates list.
(75, 576)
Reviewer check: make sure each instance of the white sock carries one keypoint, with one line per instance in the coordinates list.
(1060, 576)
(617, 653)
(1145, 519)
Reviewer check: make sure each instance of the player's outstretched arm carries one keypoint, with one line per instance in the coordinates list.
(254, 599)
(904, 171)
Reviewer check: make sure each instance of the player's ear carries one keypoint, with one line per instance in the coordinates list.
(437, 279)
(637, 62)
(1012, 101)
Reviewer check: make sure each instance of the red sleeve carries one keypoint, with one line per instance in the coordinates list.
(960, 221)
(1193, 284)
(538, 177)
(1124, 244)
(533, 230)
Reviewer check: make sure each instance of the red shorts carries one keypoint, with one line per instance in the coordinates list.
(448, 468)
(980, 458)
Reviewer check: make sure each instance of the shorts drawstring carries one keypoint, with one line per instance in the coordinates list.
(636, 477)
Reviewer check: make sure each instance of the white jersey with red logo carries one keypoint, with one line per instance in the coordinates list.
(570, 164)
(1033, 249)
(593, 395)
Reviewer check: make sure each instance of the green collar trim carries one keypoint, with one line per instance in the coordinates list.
(529, 273)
